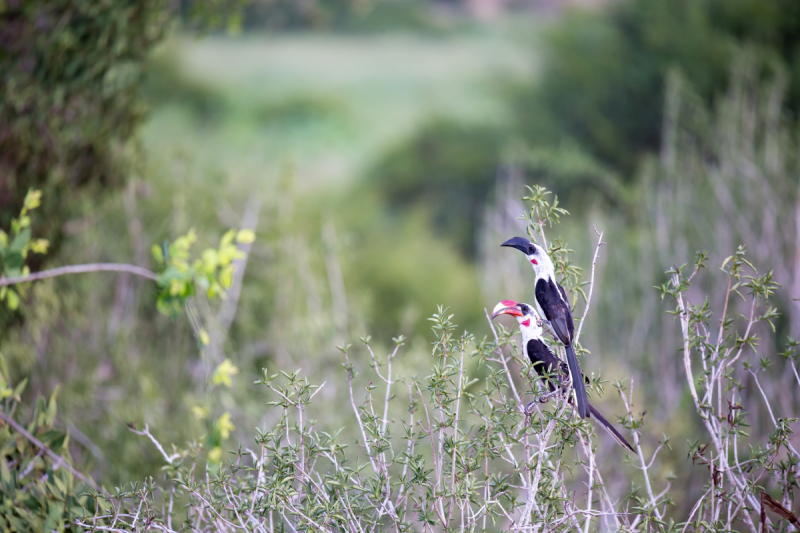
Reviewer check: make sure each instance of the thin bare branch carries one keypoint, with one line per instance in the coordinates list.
(146, 433)
(81, 269)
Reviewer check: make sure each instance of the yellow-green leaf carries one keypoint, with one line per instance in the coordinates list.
(33, 199)
(200, 412)
(245, 236)
(225, 426)
(12, 300)
(223, 373)
(39, 246)
(226, 277)
(215, 454)
(227, 238)
(210, 260)
(158, 255)
(204, 338)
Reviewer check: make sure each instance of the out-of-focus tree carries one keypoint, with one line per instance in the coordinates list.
(598, 109)
(447, 169)
(71, 76)
(283, 15)
(70, 73)
(603, 82)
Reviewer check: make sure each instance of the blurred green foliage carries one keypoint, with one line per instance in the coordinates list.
(598, 107)
(583, 128)
(15, 246)
(163, 85)
(71, 103)
(448, 169)
(341, 15)
(212, 272)
(393, 15)
(37, 491)
(604, 76)
(71, 73)
(400, 270)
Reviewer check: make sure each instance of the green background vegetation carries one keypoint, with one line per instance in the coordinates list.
(384, 146)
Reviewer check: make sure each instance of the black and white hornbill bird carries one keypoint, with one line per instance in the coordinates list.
(546, 363)
(553, 306)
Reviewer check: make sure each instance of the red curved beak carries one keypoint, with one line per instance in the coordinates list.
(506, 307)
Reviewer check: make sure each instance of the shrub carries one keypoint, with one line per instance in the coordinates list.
(72, 77)
(71, 72)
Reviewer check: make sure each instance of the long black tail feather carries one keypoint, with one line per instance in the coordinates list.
(582, 403)
(614, 433)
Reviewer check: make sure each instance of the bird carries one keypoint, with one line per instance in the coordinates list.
(546, 363)
(553, 306)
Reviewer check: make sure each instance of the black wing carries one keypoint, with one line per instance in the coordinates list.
(556, 309)
(545, 362)
(552, 299)
(570, 322)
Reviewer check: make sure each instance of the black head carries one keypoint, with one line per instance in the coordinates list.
(526, 309)
(522, 244)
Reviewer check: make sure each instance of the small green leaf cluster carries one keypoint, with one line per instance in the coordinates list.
(543, 213)
(217, 431)
(15, 247)
(180, 278)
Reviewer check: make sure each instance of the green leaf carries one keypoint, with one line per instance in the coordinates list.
(12, 300)
(158, 255)
(39, 246)
(13, 262)
(33, 199)
(19, 388)
(227, 238)
(20, 241)
(245, 236)
(5, 475)
(51, 407)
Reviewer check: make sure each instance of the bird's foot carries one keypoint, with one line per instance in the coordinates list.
(544, 398)
(542, 323)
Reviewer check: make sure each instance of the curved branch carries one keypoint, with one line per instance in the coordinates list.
(80, 269)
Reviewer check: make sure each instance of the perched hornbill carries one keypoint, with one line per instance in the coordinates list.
(544, 361)
(553, 306)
